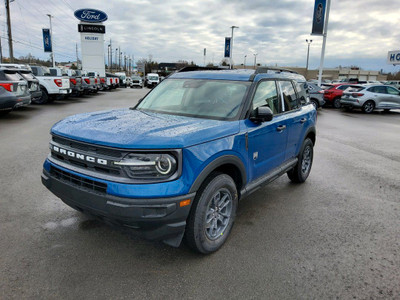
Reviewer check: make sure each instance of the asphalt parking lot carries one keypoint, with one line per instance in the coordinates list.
(335, 236)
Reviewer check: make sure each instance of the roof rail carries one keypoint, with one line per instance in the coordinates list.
(266, 69)
(197, 68)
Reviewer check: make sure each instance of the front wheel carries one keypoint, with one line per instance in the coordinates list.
(213, 214)
(302, 169)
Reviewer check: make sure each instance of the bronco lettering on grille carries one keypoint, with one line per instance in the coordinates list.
(80, 156)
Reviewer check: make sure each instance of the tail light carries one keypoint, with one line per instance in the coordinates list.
(110, 80)
(95, 80)
(58, 82)
(87, 80)
(7, 86)
(355, 95)
(321, 92)
(102, 80)
(73, 81)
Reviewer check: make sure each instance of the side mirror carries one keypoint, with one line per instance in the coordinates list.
(261, 114)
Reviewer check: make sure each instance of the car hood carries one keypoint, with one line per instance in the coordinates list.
(136, 129)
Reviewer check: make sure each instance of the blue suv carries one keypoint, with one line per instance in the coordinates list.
(175, 166)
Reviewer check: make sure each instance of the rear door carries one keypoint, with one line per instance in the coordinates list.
(267, 140)
(298, 114)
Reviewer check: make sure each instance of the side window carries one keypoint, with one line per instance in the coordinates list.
(380, 89)
(301, 88)
(267, 95)
(289, 95)
(343, 87)
(392, 91)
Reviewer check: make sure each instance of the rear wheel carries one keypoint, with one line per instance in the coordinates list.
(315, 103)
(336, 103)
(302, 169)
(368, 107)
(212, 214)
(44, 99)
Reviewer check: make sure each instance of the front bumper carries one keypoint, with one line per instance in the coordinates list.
(154, 219)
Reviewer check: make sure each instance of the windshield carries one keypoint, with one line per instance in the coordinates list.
(135, 77)
(153, 78)
(214, 99)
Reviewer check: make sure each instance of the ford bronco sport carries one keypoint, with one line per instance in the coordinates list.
(175, 166)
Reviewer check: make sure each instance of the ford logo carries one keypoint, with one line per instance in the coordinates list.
(90, 15)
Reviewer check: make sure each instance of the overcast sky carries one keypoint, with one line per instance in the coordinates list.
(360, 32)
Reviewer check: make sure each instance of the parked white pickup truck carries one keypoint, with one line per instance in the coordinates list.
(52, 83)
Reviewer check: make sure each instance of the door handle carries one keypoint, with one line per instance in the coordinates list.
(281, 127)
(303, 120)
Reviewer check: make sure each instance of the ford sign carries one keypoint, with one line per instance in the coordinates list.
(90, 15)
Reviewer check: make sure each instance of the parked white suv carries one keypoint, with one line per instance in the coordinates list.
(372, 97)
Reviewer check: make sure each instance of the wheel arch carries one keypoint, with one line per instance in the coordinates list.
(311, 134)
(228, 164)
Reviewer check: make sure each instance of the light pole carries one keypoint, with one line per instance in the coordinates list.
(109, 57)
(244, 62)
(231, 48)
(116, 59)
(51, 37)
(308, 55)
(255, 60)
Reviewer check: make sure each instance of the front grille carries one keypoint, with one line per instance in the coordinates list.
(78, 181)
(90, 150)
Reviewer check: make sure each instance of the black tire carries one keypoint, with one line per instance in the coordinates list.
(386, 111)
(5, 112)
(67, 96)
(44, 99)
(336, 103)
(302, 169)
(198, 235)
(368, 107)
(315, 103)
(349, 108)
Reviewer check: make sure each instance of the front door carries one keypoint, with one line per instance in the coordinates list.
(266, 141)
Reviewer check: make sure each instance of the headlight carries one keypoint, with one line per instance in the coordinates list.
(149, 166)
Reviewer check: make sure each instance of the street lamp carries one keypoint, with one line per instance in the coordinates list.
(231, 64)
(255, 60)
(308, 52)
(109, 58)
(244, 62)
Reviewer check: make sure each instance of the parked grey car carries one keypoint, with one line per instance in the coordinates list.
(372, 97)
(316, 94)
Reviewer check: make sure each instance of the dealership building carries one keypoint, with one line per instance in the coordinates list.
(336, 73)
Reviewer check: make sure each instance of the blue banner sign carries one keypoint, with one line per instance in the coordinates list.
(227, 47)
(319, 17)
(90, 15)
(46, 40)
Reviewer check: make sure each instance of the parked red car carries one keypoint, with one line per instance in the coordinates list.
(333, 94)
